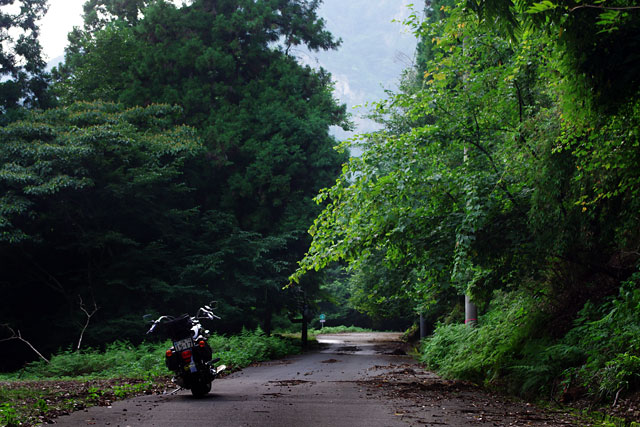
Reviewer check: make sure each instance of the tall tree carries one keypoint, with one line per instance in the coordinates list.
(440, 195)
(23, 80)
(98, 13)
(263, 119)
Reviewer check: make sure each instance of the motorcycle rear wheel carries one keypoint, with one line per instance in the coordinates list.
(201, 389)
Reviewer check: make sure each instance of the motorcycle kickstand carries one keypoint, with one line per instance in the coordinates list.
(173, 380)
(174, 391)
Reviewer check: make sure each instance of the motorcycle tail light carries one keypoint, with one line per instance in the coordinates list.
(201, 344)
(169, 353)
(186, 355)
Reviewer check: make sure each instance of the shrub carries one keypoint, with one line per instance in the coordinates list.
(253, 346)
(483, 353)
(600, 354)
(608, 334)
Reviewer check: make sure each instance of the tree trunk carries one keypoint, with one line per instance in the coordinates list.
(423, 327)
(268, 315)
(304, 332)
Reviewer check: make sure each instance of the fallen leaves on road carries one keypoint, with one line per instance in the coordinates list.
(423, 397)
(288, 383)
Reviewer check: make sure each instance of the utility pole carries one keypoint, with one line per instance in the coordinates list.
(470, 312)
(423, 327)
(305, 321)
(470, 309)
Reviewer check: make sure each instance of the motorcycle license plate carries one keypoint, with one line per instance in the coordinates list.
(183, 344)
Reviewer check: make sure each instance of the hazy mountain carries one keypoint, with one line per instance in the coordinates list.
(374, 52)
(54, 62)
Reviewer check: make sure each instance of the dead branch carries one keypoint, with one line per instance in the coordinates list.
(16, 335)
(616, 399)
(86, 323)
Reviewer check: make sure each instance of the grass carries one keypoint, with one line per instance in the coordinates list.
(124, 360)
(35, 402)
(338, 330)
(120, 359)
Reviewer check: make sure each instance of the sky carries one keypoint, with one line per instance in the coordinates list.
(376, 48)
(374, 52)
(62, 16)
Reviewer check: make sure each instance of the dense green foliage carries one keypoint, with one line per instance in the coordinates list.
(506, 170)
(437, 179)
(69, 229)
(263, 118)
(606, 336)
(488, 351)
(599, 354)
(179, 169)
(338, 330)
(344, 301)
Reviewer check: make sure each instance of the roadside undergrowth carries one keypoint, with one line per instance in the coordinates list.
(33, 402)
(593, 365)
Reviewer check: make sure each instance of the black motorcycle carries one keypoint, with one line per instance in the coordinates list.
(190, 358)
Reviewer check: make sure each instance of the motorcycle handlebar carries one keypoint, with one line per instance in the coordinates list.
(206, 310)
(208, 314)
(158, 321)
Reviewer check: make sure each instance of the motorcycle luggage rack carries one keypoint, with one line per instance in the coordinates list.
(179, 327)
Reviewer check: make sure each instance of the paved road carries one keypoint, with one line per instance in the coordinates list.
(355, 380)
(314, 389)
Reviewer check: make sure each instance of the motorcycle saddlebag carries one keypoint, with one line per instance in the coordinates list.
(172, 362)
(202, 353)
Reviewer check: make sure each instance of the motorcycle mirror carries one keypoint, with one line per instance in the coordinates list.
(147, 317)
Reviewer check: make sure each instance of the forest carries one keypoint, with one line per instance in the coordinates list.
(170, 160)
(181, 154)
